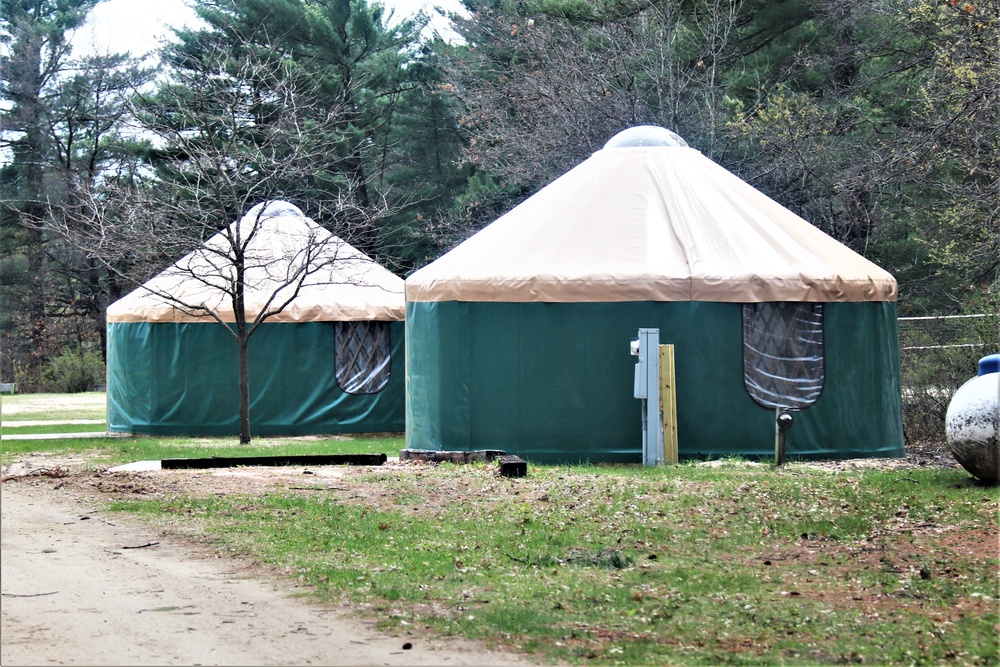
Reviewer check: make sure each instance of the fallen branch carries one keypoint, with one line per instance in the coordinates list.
(171, 609)
(142, 546)
(39, 472)
(28, 595)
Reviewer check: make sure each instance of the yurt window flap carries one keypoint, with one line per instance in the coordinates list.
(362, 357)
(783, 353)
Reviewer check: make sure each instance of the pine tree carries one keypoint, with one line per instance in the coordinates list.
(34, 32)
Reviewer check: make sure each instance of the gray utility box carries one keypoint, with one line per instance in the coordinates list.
(647, 388)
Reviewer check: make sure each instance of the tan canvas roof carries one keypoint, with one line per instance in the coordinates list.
(340, 283)
(650, 223)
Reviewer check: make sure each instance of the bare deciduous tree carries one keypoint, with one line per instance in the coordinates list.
(224, 138)
(542, 91)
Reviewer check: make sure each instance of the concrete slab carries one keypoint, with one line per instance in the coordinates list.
(138, 466)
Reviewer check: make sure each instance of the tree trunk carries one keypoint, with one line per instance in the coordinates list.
(243, 343)
(242, 332)
(28, 93)
(364, 236)
(36, 272)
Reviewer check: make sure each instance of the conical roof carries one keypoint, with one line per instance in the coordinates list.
(284, 251)
(650, 220)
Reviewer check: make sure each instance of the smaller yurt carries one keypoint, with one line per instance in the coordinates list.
(519, 338)
(329, 360)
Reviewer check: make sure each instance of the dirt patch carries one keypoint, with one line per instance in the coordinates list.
(253, 480)
(905, 552)
(920, 454)
(82, 588)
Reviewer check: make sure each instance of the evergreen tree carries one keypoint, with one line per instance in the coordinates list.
(882, 133)
(350, 61)
(33, 65)
(422, 168)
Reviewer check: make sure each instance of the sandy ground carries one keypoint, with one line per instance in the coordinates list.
(15, 406)
(80, 589)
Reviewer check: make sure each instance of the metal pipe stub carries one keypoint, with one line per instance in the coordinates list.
(783, 421)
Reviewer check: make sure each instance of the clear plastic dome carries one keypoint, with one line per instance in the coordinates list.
(645, 135)
(275, 208)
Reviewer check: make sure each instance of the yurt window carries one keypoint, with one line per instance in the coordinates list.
(783, 364)
(362, 356)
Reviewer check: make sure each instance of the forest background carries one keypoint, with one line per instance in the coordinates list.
(877, 122)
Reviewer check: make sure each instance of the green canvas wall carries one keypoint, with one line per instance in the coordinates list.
(182, 379)
(552, 382)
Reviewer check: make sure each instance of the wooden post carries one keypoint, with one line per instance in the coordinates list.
(668, 403)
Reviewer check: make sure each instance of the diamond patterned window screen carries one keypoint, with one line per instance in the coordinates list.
(783, 365)
(362, 356)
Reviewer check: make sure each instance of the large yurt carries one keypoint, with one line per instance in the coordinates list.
(518, 339)
(329, 361)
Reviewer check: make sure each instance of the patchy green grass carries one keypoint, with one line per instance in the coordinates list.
(96, 446)
(112, 451)
(106, 451)
(688, 564)
(52, 429)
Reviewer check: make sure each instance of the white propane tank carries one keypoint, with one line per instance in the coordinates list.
(972, 423)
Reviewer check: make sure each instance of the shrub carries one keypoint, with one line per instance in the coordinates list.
(74, 371)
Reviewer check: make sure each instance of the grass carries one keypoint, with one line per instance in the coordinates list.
(105, 451)
(51, 407)
(680, 565)
(688, 564)
(112, 451)
(8, 429)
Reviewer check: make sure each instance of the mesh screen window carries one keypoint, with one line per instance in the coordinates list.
(362, 356)
(783, 365)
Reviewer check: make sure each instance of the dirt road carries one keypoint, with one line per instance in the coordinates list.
(83, 588)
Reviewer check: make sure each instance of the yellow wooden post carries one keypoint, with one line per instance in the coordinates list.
(668, 403)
